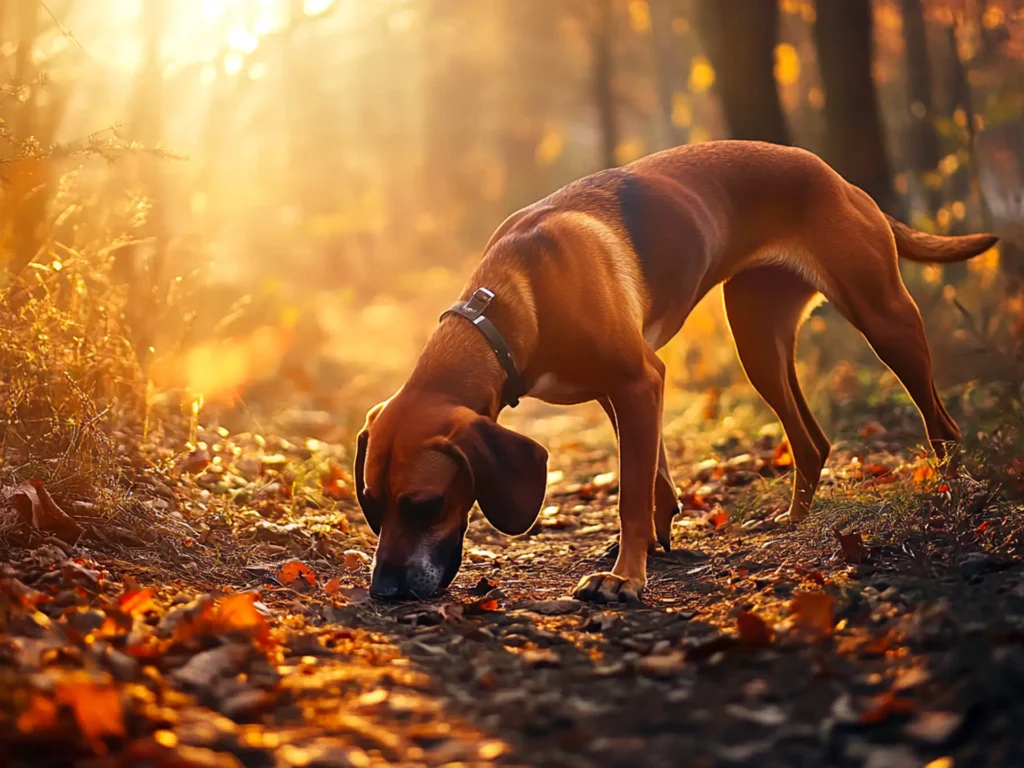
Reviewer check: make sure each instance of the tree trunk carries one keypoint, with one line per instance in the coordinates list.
(854, 143)
(604, 96)
(664, 66)
(922, 139)
(739, 39)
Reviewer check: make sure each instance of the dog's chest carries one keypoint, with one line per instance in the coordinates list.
(549, 388)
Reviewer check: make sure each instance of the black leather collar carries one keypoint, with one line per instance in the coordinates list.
(473, 310)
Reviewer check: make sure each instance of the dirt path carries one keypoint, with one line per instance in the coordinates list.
(898, 641)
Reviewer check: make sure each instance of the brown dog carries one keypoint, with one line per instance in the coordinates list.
(586, 285)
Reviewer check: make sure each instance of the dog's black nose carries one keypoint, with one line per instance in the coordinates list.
(390, 581)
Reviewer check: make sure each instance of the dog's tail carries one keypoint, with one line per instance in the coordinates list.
(935, 249)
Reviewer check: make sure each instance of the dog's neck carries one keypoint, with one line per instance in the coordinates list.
(459, 362)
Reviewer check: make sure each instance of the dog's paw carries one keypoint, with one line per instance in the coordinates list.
(608, 588)
(793, 515)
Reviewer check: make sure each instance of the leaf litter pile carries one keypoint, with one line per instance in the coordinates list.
(887, 630)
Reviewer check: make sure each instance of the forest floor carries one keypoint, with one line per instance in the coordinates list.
(222, 619)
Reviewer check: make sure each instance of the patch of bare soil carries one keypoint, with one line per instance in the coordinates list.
(887, 630)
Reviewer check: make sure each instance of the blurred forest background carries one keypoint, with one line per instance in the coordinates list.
(212, 204)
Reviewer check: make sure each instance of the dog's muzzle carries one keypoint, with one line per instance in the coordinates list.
(427, 573)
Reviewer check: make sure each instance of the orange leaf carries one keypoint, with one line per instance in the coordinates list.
(752, 629)
(854, 551)
(693, 501)
(238, 613)
(332, 586)
(718, 519)
(783, 455)
(812, 613)
(885, 706)
(871, 429)
(135, 602)
(336, 482)
(354, 560)
(97, 709)
(922, 474)
(291, 571)
(39, 716)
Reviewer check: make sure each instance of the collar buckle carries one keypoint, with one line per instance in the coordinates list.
(473, 310)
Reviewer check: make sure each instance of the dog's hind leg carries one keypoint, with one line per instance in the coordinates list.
(892, 325)
(765, 307)
(865, 285)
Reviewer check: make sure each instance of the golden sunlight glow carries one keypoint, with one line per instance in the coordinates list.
(315, 7)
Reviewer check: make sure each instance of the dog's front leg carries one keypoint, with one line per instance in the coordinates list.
(638, 414)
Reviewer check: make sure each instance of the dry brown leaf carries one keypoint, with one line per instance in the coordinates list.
(354, 594)
(354, 560)
(332, 586)
(812, 613)
(196, 462)
(871, 429)
(854, 551)
(752, 629)
(293, 570)
(36, 506)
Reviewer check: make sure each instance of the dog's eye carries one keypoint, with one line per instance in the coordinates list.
(421, 507)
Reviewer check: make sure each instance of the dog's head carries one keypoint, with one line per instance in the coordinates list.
(420, 464)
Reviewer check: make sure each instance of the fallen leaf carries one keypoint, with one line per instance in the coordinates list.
(205, 668)
(662, 664)
(482, 587)
(97, 709)
(353, 594)
(770, 716)
(872, 429)
(38, 716)
(854, 551)
(196, 462)
(559, 607)
(879, 474)
(812, 613)
(753, 630)
(783, 456)
(693, 501)
(332, 586)
(935, 727)
(36, 506)
(542, 657)
(922, 474)
(135, 602)
(885, 706)
(336, 482)
(354, 560)
(486, 604)
(718, 519)
(291, 571)
(238, 613)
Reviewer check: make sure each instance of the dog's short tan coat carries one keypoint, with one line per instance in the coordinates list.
(589, 283)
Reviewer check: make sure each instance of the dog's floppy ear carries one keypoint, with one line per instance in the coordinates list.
(371, 507)
(509, 473)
